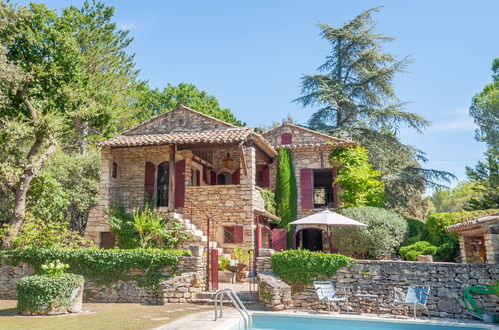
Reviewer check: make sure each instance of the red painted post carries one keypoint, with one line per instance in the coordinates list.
(214, 269)
(258, 236)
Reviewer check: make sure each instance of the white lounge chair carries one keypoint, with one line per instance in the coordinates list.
(326, 293)
(416, 296)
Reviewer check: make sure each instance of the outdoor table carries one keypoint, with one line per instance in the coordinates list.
(371, 296)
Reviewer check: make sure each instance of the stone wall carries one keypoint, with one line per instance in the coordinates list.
(447, 283)
(274, 293)
(180, 288)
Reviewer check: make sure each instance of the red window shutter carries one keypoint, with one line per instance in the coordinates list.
(278, 239)
(286, 138)
(306, 186)
(179, 183)
(149, 172)
(235, 177)
(266, 177)
(213, 178)
(238, 234)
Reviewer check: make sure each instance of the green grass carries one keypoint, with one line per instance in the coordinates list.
(97, 316)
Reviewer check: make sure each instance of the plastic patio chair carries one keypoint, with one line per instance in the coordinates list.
(326, 293)
(416, 296)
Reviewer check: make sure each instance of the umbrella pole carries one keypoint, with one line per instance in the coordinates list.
(329, 239)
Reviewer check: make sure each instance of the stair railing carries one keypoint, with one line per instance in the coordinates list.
(234, 298)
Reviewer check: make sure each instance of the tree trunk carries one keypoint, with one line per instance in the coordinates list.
(83, 129)
(20, 194)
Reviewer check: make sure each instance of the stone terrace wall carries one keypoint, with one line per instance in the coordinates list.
(446, 280)
(274, 293)
(180, 288)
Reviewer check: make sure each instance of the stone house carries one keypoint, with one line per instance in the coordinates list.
(202, 171)
(478, 239)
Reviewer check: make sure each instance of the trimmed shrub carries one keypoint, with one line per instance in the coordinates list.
(41, 293)
(411, 252)
(447, 242)
(103, 266)
(303, 266)
(383, 235)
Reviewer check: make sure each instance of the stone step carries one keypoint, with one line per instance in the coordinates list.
(243, 295)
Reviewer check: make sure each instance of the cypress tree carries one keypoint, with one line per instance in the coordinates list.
(286, 192)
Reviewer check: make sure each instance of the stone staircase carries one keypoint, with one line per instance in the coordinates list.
(208, 298)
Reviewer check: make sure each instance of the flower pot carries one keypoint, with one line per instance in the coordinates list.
(225, 276)
(241, 272)
(425, 258)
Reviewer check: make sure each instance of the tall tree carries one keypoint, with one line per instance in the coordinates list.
(485, 112)
(106, 74)
(354, 92)
(55, 81)
(456, 199)
(153, 102)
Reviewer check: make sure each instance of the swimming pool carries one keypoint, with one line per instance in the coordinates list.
(274, 322)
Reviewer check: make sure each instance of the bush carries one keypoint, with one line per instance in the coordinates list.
(38, 293)
(102, 266)
(270, 204)
(411, 252)
(46, 234)
(383, 235)
(415, 231)
(145, 229)
(223, 264)
(447, 242)
(303, 266)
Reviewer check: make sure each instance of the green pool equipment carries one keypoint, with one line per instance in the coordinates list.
(471, 305)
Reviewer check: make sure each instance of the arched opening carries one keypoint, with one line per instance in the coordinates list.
(224, 178)
(310, 239)
(162, 181)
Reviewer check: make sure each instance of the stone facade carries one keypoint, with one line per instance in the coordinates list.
(274, 293)
(181, 288)
(447, 283)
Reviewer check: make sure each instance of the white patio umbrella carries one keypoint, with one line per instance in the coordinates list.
(327, 218)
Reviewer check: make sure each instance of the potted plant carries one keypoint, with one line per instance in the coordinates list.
(243, 256)
(54, 292)
(224, 273)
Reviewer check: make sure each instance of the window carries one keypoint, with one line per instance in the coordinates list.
(233, 234)
(107, 240)
(323, 188)
(162, 180)
(262, 176)
(224, 178)
(115, 171)
(286, 138)
(229, 235)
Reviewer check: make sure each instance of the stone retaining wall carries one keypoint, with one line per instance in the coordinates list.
(180, 288)
(446, 280)
(274, 293)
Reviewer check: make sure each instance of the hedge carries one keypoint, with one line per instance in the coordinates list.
(38, 293)
(447, 242)
(303, 266)
(103, 266)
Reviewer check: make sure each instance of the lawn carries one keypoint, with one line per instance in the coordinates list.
(98, 316)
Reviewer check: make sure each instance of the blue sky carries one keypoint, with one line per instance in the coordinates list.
(251, 55)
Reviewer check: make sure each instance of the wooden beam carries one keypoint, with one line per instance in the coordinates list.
(243, 159)
(171, 179)
(202, 161)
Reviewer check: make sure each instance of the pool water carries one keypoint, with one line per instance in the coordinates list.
(269, 322)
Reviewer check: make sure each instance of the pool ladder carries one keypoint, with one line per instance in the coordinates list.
(219, 297)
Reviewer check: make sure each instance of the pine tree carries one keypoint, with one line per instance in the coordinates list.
(354, 93)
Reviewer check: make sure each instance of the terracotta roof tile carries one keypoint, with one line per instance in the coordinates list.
(473, 222)
(341, 143)
(221, 136)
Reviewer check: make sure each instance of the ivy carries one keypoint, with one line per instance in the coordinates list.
(269, 202)
(303, 267)
(103, 266)
(286, 192)
(38, 293)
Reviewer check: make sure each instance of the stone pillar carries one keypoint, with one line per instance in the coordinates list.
(97, 218)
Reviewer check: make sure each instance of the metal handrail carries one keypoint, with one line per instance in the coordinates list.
(236, 302)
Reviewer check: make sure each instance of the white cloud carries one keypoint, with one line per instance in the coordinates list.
(458, 124)
(127, 26)
(457, 120)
